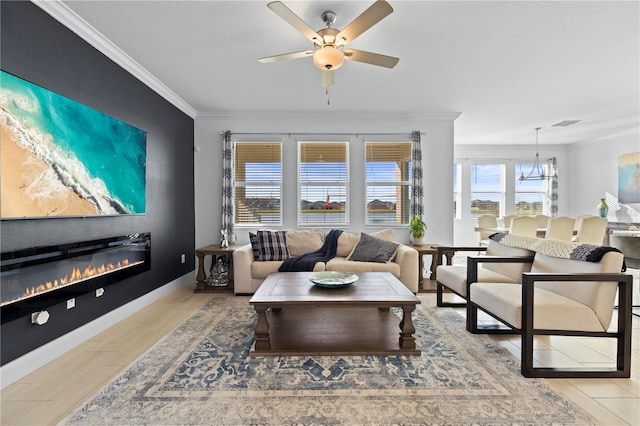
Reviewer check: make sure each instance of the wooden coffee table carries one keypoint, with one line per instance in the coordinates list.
(296, 317)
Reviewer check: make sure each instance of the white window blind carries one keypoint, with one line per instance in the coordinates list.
(323, 181)
(258, 183)
(388, 182)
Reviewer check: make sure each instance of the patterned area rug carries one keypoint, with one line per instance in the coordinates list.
(201, 373)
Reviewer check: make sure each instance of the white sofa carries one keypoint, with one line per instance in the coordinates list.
(249, 273)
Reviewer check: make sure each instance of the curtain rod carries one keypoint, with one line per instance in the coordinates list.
(489, 160)
(322, 134)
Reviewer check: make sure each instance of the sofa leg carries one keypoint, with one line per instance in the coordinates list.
(526, 354)
(472, 318)
(439, 299)
(625, 297)
(438, 294)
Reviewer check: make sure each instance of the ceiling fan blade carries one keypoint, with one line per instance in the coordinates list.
(370, 58)
(328, 77)
(285, 13)
(374, 14)
(286, 56)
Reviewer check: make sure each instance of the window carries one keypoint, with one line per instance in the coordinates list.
(323, 181)
(529, 194)
(457, 170)
(258, 182)
(388, 182)
(487, 189)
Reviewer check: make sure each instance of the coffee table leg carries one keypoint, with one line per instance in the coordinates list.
(262, 329)
(407, 341)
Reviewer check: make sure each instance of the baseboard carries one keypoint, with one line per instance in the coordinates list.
(20, 367)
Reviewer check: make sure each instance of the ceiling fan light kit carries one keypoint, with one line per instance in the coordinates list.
(329, 43)
(328, 57)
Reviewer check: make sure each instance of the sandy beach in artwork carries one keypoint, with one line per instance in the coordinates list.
(30, 188)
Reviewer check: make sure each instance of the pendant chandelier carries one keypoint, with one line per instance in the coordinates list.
(537, 171)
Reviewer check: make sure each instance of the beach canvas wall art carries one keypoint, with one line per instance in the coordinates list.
(61, 158)
(629, 178)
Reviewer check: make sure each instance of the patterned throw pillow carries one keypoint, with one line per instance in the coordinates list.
(372, 249)
(273, 245)
(255, 245)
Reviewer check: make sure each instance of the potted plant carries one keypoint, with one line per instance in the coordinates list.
(417, 228)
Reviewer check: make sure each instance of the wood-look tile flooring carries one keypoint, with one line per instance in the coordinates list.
(47, 395)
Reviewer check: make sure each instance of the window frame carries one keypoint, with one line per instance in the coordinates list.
(245, 183)
(508, 205)
(544, 192)
(457, 190)
(398, 184)
(502, 190)
(327, 183)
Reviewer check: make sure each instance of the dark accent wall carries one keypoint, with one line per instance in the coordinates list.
(37, 48)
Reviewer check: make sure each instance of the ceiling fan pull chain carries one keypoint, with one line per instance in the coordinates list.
(327, 93)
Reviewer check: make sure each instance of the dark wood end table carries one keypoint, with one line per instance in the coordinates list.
(430, 250)
(213, 250)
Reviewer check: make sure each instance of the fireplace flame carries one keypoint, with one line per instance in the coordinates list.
(45, 272)
(75, 276)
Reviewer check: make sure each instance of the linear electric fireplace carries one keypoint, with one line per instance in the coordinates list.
(39, 277)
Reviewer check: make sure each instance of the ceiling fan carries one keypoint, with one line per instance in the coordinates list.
(329, 43)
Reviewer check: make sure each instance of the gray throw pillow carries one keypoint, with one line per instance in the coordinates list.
(372, 249)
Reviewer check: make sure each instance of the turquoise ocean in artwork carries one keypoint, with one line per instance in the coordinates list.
(98, 156)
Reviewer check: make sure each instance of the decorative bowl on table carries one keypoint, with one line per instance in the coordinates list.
(333, 279)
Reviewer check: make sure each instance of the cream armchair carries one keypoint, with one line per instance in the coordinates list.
(453, 278)
(559, 296)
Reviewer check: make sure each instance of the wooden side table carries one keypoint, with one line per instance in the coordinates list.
(214, 250)
(430, 250)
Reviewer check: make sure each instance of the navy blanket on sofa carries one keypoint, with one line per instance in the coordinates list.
(307, 261)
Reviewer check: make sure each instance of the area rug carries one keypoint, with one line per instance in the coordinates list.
(202, 373)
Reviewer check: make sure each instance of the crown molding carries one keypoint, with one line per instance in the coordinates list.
(67, 17)
(335, 116)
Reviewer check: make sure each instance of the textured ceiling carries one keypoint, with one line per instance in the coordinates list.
(506, 66)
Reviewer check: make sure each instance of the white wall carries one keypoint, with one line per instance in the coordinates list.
(587, 171)
(437, 161)
(595, 174)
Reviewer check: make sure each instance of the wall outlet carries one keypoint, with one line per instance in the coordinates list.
(99, 292)
(71, 303)
(183, 258)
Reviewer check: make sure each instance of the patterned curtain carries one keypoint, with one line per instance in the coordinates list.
(416, 166)
(553, 171)
(228, 203)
